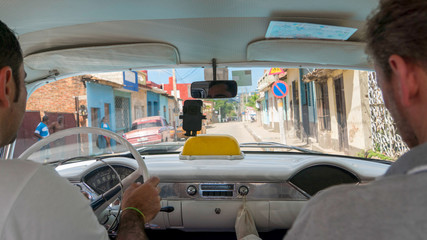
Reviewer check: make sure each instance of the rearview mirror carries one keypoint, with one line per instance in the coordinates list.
(214, 89)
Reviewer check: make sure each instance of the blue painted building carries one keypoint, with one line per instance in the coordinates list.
(153, 104)
(164, 107)
(104, 101)
(122, 111)
(308, 106)
(100, 103)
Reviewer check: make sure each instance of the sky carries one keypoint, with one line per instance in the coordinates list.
(189, 75)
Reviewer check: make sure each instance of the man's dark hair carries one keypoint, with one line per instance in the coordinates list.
(45, 118)
(398, 27)
(10, 54)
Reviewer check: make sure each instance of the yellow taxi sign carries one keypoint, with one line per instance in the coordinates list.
(275, 71)
(211, 146)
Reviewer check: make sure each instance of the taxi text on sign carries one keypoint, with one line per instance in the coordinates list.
(275, 71)
(279, 89)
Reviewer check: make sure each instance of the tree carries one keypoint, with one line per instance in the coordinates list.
(252, 101)
(226, 107)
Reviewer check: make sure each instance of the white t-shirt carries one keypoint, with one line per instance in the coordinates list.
(36, 203)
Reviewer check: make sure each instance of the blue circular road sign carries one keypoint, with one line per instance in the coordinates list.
(280, 89)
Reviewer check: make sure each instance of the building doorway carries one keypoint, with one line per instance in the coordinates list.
(305, 94)
(94, 116)
(295, 100)
(341, 115)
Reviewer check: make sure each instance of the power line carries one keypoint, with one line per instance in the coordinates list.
(189, 74)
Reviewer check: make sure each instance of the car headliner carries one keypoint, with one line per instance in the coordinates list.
(183, 33)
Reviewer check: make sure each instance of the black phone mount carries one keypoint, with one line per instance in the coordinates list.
(192, 117)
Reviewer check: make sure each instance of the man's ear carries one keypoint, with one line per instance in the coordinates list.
(404, 73)
(6, 85)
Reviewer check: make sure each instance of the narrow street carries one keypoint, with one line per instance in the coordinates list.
(235, 129)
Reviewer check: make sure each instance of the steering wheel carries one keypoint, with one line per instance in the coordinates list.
(99, 204)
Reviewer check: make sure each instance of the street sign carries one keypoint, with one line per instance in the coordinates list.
(243, 77)
(275, 71)
(130, 80)
(280, 89)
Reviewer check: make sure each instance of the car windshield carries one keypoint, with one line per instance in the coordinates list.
(141, 125)
(332, 111)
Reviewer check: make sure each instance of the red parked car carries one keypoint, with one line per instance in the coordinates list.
(149, 130)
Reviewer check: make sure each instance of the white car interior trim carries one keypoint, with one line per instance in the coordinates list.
(325, 53)
(104, 58)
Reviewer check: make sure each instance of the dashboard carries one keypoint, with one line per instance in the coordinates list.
(207, 194)
(102, 179)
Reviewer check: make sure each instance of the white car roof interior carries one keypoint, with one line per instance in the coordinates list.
(73, 37)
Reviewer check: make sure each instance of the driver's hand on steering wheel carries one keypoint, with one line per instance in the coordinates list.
(144, 197)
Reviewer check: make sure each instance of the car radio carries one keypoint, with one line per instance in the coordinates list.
(216, 190)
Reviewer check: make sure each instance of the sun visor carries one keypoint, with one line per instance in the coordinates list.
(104, 58)
(311, 53)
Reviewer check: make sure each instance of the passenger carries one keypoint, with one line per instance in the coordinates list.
(35, 202)
(393, 206)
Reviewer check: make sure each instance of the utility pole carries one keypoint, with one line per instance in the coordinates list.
(176, 110)
(281, 121)
(174, 84)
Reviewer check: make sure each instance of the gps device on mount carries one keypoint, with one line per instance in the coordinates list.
(192, 117)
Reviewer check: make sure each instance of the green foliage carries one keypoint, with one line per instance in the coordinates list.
(372, 154)
(226, 107)
(252, 101)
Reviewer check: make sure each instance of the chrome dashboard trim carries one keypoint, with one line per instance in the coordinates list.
(257, 191)
(300, 190)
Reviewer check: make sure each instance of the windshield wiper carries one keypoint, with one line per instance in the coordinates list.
(150, 149)
(83, 158)
(160, 147)
(275, 145)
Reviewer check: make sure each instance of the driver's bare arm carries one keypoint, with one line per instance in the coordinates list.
(145, 197)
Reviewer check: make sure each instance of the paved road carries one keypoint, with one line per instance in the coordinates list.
(235, 129)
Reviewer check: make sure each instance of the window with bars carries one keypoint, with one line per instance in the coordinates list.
(122, 107)
(323, 106)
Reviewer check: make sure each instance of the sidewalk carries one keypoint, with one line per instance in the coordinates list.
(263, 135)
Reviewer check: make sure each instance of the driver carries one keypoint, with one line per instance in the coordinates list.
(36, 203)
(219, 90)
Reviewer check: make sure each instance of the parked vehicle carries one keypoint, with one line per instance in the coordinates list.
(149, 130)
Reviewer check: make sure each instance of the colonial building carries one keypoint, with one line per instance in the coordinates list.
(325, 108)
(343, 109)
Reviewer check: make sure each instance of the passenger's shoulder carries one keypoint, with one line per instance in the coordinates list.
(341, 190)
(23, 170)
